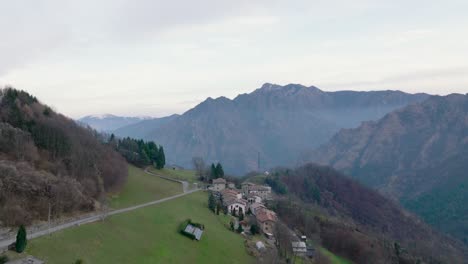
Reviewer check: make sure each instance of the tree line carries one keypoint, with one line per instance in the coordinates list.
(139, 152)
(207, 173)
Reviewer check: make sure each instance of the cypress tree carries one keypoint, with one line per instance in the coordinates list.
(162, 158)
(219, 171)
(211, 202)
(21, 240)
(213, 171)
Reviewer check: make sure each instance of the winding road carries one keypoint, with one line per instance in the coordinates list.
(4, 243)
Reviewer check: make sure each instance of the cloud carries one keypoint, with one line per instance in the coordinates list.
(120, 55)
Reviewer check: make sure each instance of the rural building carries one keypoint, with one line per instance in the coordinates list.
(196, 231)
(252, 198)
(255, 206)
(245, 225)
(299, 248)
(267, 220)
(219, 184)
(261, 191)
(230, 194)
(237, 205)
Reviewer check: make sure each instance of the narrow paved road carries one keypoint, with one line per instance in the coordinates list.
(4, 243)
(185, 184)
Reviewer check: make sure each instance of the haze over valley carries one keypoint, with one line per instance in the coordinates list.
(269, 132)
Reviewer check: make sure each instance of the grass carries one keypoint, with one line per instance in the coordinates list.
(147, 235)
(334, 258)
(142, 187)
(184, 175)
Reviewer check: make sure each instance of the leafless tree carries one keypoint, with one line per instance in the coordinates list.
(200, 166)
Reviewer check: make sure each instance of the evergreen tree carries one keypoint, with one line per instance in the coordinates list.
(161, 158)
(211, 202)
(254, 229)
(213, 171)
(241, 216)
(219, 171)
(240, 229)
(21, 240)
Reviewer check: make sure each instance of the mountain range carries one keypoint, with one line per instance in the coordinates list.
(417, 155)
(108, 122)
(272, 126)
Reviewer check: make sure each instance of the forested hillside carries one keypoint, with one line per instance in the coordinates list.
(46, 158)
(417, 155)
(356, 222)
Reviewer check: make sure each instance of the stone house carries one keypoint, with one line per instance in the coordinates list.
(266, 220)
(219, 184)
(237, 205)
(251, 189)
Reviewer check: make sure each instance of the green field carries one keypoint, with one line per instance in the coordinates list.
(184, 175)
(142, 187)
(147, 235)
(334, 258)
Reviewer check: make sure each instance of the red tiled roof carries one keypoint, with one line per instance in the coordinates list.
(264, 215)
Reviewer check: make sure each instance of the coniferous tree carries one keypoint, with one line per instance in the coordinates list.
(219, 171)
(240, 229)
(211, 202)
(241, 216)
(161, 158)
(213, 171)
(21, 240)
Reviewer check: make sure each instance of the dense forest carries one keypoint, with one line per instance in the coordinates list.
(139, 152)
(46, 159)
(354, 221)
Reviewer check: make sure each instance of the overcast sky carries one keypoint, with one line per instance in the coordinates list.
(130, 57)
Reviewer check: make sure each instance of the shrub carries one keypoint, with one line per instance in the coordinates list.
(3, 259)
(254, 229)
(21, 240)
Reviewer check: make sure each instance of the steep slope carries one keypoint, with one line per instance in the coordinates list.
(277, 123)
(418, 155)
(109, 123)
(47, 160)
(357, 222)
(145, 128)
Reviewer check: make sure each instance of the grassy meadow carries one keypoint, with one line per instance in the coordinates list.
(142, 187)
(146, 235)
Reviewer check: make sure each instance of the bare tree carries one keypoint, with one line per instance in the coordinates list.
(283, 239)
(200, 166)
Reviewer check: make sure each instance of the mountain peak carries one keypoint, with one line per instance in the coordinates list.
(291, 87)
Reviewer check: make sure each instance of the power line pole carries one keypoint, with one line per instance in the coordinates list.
(48, 218)
(258, 161)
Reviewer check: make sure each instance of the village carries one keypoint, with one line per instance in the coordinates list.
(248, 206)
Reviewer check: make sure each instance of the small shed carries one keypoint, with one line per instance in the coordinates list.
(299, 248)
(197, 232)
